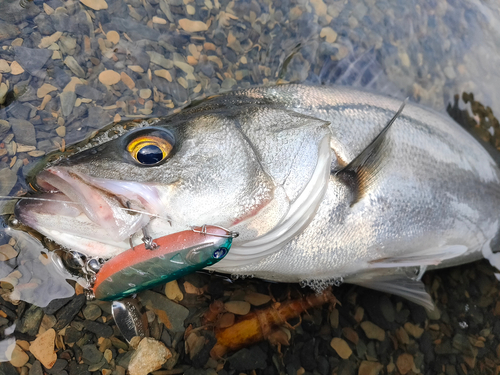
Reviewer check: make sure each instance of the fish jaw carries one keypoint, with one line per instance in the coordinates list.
(85, 213)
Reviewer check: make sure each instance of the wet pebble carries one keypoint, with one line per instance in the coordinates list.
(192, 26)
(43, 348)
(66, 314)
(24, 131)
(19, 357)
(173, 292)
(113, 36)
(387, 309)
(413, 330)
(329, 34)
(372, 331)
(36, 368)
(149, 356)
(418, 313)
(370, 368)
(68, 100)
(405, 363)
(91, 355)
(88, 92)
(30, 322)
(92, 312)
(7, 252)
(350, 334)
(307, 359)
(100, 329)
(4, 66)
(95, 4)
(73, 65)
(341, 347)
(171, 314)
(32, 59)
(248, 359)
(237, 307)
(109, 77)
(8, 31)
(257, 299)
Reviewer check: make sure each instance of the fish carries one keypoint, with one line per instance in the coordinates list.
(324, 185)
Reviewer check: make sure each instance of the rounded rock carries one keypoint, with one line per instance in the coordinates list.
(341, 347)
(237, 307)
(113, 36)
(109, 77)
(145, 93)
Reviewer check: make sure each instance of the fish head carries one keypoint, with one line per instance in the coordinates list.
(250, 169)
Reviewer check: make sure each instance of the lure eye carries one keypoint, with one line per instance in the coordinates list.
(149, 150)
(220, 253)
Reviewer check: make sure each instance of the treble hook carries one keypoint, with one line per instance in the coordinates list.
(148, 240)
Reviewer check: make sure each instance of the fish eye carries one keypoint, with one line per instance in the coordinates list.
(149, 150)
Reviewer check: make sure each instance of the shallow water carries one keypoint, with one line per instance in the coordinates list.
(68, 69)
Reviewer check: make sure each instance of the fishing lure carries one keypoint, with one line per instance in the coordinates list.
(171, 257)
(153, 262)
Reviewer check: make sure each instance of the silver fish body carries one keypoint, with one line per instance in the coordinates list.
(270, 163)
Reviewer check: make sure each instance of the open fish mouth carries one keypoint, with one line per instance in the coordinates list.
(92, 215)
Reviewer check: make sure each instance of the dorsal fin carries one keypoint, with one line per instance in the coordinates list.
(361, 172)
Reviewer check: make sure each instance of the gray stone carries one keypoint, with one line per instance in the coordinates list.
(134, 30)
(99, 329)
(8, 180)
(67, 44)
(92, 312)
(88, 92)
(97, 118)
(176, 313)
(4, 127)
(160, 60)
(7, 369)
(24, 131)
(8, 31)
(44, 25)
(19, 110)
(68, 312)
(248, 359)
(228, 83)
(72, 335)
(36, 368)
(55, 305)
(58, 367)
(387, 309)
(444, 348)
(124, 358)
(461, 342)
(90, 354)
(68, 99)
(32, 59)
(45, 145)
(73, 65)
(98, 365)
(30, 322)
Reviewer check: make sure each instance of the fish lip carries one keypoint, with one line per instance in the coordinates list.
(101, 206)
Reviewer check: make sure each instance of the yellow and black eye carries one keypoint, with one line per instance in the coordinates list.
(149, 150)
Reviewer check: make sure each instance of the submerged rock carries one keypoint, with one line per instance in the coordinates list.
(32, 59)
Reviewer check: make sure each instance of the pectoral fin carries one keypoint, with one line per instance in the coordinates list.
(394, 274)
(361, 173)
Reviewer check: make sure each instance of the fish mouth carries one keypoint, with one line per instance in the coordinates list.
(77, 210)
